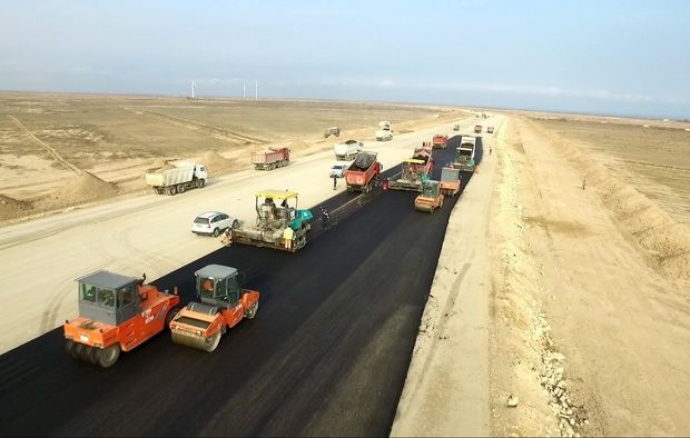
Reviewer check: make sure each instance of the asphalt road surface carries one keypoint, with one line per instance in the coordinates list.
(327, 354)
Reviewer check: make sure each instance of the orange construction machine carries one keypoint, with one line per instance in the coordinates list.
(117, 313)
(450, 181)
(431, 197)
(223, 305)
(414, 171)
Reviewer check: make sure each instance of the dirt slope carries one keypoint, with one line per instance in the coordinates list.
(591, 317)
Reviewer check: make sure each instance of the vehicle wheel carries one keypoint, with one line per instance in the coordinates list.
(212, 343)
(181, 188)
(94, 354)
(109, 356)
(69, 346)
(201, 183)
(235, 224)
(172, 191)
(251, 312)
(77, 350)
(169, 317)
(216, 232)
(85, 353)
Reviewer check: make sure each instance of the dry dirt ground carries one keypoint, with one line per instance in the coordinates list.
(591, 315)
(573, 319)
(59, 151)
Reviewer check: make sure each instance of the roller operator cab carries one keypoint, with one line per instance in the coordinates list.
(222, 304)
(116, 313)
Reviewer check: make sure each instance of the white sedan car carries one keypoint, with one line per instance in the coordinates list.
(338, 170)
(213, 223)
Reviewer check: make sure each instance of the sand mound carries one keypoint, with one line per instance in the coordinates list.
(11, 208)
(158, 164)
(84, 187)
(297, 145)
(216, 163)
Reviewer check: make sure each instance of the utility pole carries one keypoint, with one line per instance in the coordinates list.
(256, 90)
(244, 90)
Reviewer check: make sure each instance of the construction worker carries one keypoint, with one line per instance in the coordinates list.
(584, 183)
(227, 237)
(325, 218)
(335, 180)
(288, 237)
(491, 150)
(207, 289)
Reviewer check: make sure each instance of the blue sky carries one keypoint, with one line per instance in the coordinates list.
(623, 57)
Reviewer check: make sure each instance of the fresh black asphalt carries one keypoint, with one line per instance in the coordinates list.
(327, 354)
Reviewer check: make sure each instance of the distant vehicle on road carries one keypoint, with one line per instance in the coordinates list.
(347, 150)
(338, 170)
(177, 178)
(489, 129)
(333, 130)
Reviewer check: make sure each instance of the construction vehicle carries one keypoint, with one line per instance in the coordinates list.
(271, 159)
(362, 173)
(450, 181)
(385, 132)
(222, 304)
(439, 141)
(333, 130)
(464, 156)
(116, 313)
(431, 197)
(347, 150)
(415, 171)
(421, 152)
(272, 221)
(177, 178)
(477, 129)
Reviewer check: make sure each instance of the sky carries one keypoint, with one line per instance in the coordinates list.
(617, 57)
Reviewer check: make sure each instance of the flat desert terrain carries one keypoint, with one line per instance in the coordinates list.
(46, 141)
(560, 301)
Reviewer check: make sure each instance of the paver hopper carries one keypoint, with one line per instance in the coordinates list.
(272, 220)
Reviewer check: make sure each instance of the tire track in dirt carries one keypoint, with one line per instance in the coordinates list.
(53, 153)
(190, 124)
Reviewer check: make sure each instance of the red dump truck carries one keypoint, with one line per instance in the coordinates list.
(439, 141)
(271, 159)
(360, 176)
